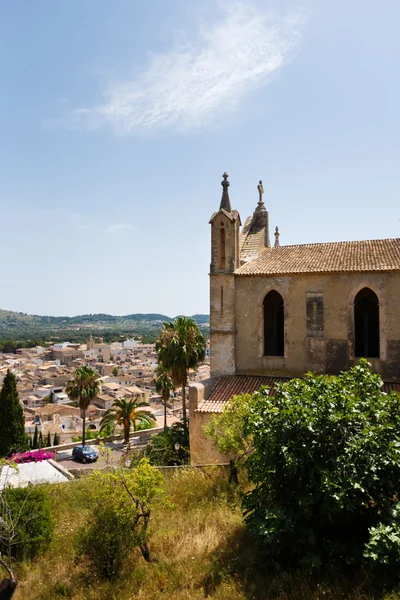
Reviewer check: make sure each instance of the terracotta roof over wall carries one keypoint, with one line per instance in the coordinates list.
(233, 385)
(391, 386)
(332, 257)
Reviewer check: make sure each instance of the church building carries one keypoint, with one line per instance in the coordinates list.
(278, 311)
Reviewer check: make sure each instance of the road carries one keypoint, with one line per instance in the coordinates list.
(114, 459)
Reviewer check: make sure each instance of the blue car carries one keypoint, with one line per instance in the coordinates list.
(84, 454)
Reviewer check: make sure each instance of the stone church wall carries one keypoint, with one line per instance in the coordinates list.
(222, 324)
(319, 322)
(202, 449)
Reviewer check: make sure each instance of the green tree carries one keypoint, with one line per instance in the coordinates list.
(82, 389)
(164, 386)
(12, 421)
(126, 413)
(325, 469)
(120, 516)
(9, 347)
(115, 371)
(56, 439)
(25, 522)
(35, 442)
(41, 439)
(227, 430)
(48, 440)
(180, 347)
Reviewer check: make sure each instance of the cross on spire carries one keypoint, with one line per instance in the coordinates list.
(225, 202)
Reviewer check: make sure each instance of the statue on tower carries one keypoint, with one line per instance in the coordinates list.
(260, 191)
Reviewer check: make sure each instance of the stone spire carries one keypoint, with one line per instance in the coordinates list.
(277, 234)
(225, 202)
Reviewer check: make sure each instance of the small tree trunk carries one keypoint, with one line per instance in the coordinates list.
(84, 428)
(184, 402)
(144, 548)
(127, 428)
(233, 472)
(166, 397)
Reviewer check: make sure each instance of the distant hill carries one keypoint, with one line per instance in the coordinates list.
(7, 317)
(21, 326)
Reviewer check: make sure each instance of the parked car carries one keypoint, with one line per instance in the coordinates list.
(84, 454)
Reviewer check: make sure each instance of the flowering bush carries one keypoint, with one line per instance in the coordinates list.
(35, 456)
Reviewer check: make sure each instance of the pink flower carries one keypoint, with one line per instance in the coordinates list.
(32, 456)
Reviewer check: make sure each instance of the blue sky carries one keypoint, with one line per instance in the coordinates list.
(118, 119)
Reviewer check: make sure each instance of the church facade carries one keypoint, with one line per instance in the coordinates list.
(279, 311)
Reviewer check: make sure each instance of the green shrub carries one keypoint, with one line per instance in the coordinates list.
(107, 540)
(121, 505)
(161, 448)
(325, 468)
(25, 522)
(382, 550)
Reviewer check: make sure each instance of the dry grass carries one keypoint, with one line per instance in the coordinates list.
(201, 548)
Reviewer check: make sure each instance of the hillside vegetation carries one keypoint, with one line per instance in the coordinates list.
(23, 327)
(200, 547)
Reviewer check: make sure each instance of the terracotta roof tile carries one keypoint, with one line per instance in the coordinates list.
(391, 386)
(233, 385)
(369, 255)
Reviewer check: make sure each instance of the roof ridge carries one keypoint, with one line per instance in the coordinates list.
(349, 256)
(340, 242)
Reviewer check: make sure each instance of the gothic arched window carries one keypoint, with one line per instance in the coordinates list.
(366, 324)
(274, 326)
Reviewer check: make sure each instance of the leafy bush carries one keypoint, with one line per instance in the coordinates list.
(107, 540)
(161, 449)
(383, 546)
(325, 468)
(25, 522)
(121, 507)
(226, 429)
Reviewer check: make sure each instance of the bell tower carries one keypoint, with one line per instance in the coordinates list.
(225, 226)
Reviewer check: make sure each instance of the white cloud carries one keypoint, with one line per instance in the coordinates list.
(192, 85)
(119, 228)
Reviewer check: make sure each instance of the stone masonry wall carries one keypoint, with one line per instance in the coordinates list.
(319, 322)
(222, 324)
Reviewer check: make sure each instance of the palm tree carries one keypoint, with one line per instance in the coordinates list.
(180, 347)
(83, 388)
(127, 412)
(164, 385)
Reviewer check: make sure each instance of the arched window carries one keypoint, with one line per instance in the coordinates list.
(273, 325)
(222, 246)
(366, 324)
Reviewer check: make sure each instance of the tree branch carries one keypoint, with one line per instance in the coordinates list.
(8, 569)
